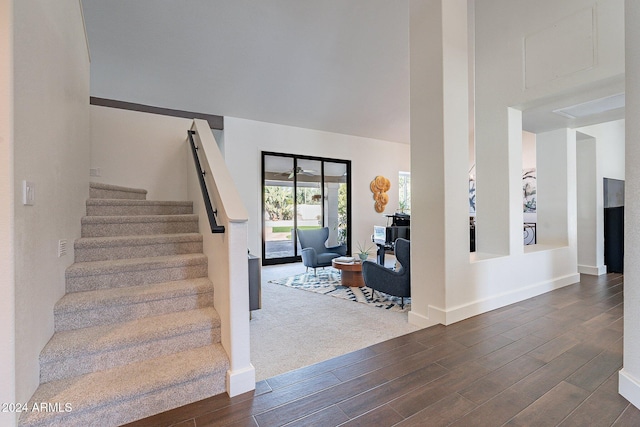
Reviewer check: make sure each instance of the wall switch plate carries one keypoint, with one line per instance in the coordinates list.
(28, 193)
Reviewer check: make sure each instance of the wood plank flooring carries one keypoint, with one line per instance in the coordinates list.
(552, 360)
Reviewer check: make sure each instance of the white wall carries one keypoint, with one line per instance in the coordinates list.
(607, 158)
(244, 140)
(528, 150)
(7, 279)
(123, 140)
(51, 131)
(503, 271)
(141, 150)
(630, 374)
(610, 137)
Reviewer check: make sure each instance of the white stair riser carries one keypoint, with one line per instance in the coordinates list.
(139, 251)
(108, 210)
(133, 278)
(70, 320)
(74, 365)
(100, 193)
(139, 229)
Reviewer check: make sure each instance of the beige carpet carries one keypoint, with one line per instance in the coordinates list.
(296, 328)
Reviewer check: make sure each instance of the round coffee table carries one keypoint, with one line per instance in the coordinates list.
(351, 273)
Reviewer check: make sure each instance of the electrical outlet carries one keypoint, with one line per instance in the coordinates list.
(95, 172)
(28, 193)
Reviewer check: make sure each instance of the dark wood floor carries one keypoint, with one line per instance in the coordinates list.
(550, 360)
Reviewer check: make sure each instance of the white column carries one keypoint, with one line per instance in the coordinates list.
(630, 373)
(555, 153)
(439, 152)
(590, 257)
(331, 212)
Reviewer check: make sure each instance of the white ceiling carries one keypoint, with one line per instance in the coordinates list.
(334, 65)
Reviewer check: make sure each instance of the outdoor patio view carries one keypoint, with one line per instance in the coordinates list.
(302, 193)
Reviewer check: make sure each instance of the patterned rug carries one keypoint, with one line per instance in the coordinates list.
(327, 282)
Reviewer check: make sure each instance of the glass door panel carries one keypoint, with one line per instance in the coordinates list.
(336, 208)
(309, 198)
(278, 205)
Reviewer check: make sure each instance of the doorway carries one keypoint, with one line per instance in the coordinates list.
(303, 192)
(614, 225)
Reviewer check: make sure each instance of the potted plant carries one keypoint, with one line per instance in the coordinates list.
(363, 251)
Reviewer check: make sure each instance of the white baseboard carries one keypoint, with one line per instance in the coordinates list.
(241, 380)
(629, 388)
(482, 306)
(421, 320)
(592, 269)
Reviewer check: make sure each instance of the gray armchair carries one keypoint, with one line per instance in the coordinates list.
(382, 279)
(314, 252)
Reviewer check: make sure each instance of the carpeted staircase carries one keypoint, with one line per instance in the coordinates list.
(136, 334)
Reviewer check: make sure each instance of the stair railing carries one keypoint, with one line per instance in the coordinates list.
(226, 251)
(211, 213)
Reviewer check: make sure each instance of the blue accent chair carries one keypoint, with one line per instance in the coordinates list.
(314, 252)
(382, 279)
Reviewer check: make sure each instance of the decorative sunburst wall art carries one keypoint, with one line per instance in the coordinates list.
(379, 187)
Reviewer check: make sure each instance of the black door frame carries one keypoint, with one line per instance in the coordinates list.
(296, 157)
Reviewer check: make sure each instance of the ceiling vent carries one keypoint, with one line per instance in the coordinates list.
(592, 108)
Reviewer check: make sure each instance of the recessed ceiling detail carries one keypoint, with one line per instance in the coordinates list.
(592, 108)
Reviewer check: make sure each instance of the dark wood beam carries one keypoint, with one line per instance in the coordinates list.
(215, 122)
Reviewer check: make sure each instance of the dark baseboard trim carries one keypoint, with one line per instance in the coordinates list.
(215, 122)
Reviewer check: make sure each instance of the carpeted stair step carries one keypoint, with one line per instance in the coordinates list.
(78, 352)
(93, 308)
(107, 207)
(131, 392)
(87, 276)
(135, 225)
(98, 190)
(120, 247)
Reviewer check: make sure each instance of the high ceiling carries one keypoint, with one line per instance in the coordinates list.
(333, 65)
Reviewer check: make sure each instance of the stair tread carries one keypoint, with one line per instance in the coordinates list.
(123, 219)
(90, 268)
(98, 389)
(135, 240)
(96, 339)
(87, 300)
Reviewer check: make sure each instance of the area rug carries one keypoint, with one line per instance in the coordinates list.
(327, 282)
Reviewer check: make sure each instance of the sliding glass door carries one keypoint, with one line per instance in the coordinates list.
(302, 192)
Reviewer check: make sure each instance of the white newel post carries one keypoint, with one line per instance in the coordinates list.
(241, 375)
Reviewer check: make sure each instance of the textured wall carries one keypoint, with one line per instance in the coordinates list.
(51, 130)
